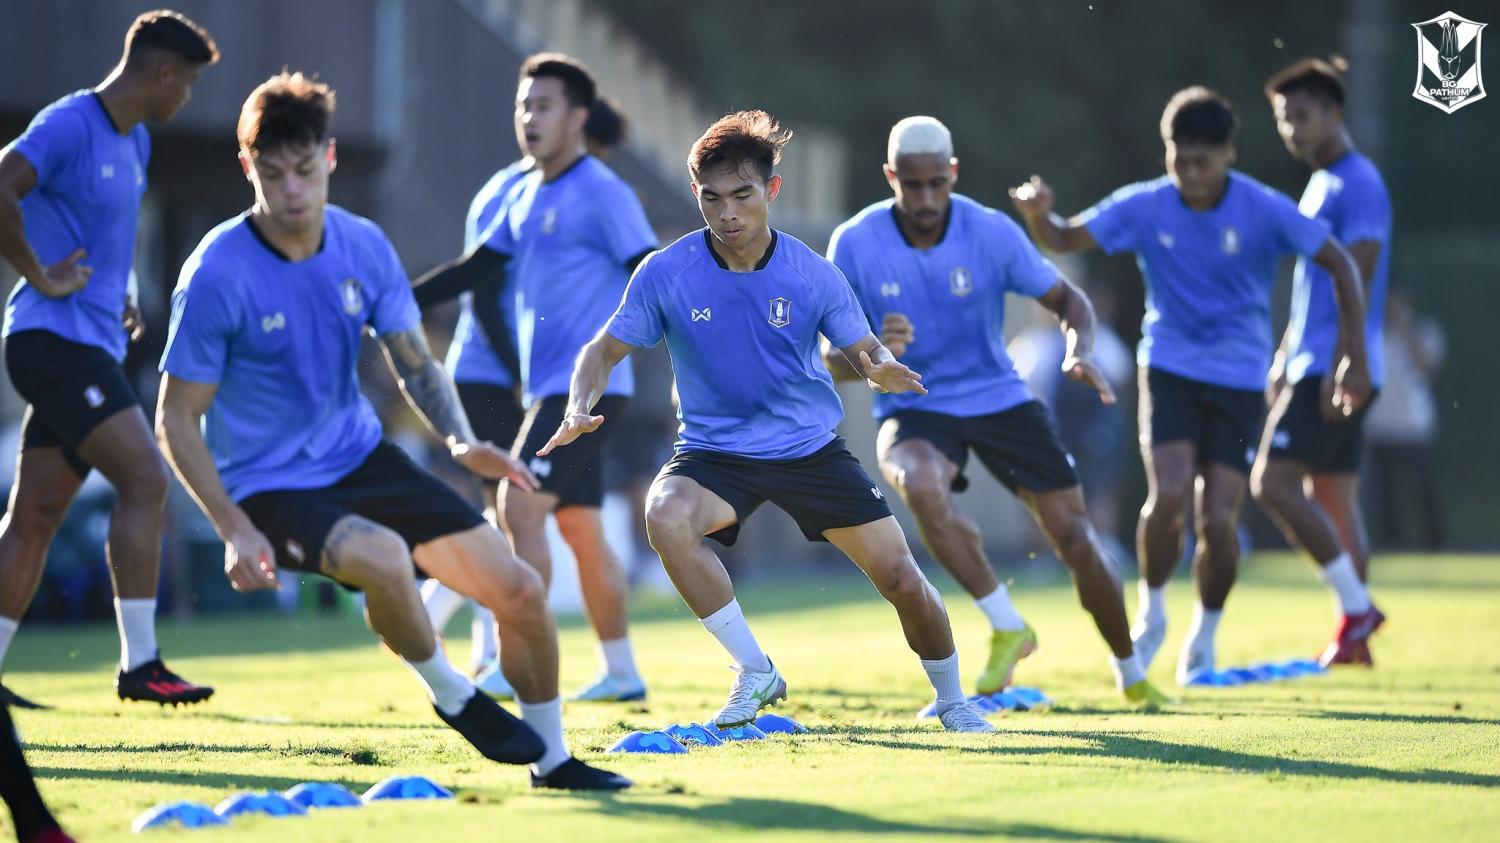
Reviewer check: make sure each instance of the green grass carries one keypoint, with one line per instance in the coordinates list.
(1408, 751)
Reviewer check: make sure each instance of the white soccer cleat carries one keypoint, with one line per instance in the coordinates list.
(606, 688)
(1193, 662)
(965, 717)
(491, 681)
(750, 693)
(1147, 638)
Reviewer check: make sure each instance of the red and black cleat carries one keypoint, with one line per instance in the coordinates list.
(1351, 640)
(153, 682)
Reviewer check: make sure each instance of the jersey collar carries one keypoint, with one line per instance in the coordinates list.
(943, 235)
(765, 259)
(271, 247)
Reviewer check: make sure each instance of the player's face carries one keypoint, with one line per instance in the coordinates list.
(923, 185)
(1199, 169)
(1308, 124)
(546, 125)
(291, 183)
(174, 87)
(735, 202)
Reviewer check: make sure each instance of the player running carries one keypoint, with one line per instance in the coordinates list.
(1208, 240)
(741, 307)
(70, 194)
(263, 420)
(570, 233)
(940, 262)
(1307, 441)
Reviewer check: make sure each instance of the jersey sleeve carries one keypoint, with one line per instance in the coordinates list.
(1027, 272)
(1296, 234)
(52, 142)
(841, 319)
(622, 223)
(1114, 222)
(203, 325)
(395, 308)
(841, 255)
(638, 319)
(1364, 212)
(497, 236)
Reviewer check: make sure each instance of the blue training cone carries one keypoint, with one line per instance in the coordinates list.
(775, 724)
(1245, 675)
(1029, 698)
(658, 743)
(178, 814)
(270, 803)
(1272, 671)
(323, 795)
(1212, 679)
(743, 732)
(689, 734)
(406, 787)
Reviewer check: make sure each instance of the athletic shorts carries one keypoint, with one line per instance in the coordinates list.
(825, 490)
(70, 389)
(1223, 423)
(1020, 446)
(387, 488)
(494, 412)
(1301, 433)
(575, 472)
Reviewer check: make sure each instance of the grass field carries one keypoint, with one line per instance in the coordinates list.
(1410, 751)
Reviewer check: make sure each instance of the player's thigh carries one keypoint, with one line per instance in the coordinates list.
(678, 502)
(1217, 502)
(880, 550)
(1061, 513)
(123, 448)
(45, 485)
(478, 563)
(918, 456)
(1170, 470)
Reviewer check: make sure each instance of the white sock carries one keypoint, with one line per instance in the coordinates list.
(448, 689)
(137, 621)
(728, 625)
(943, 674)
(1201, 631)
(1128, 670)
(619, 659)
(546, 719)
(441, 603)
(7, 632)
(1153, 603)
(1002, 613)
(1341, 577)
(482, 632)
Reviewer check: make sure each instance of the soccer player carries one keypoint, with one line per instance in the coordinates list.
(936, 264)
(1208, 240)
(1306, 441)
(570, 234)
(263, 420)
(70, 193)
(741, 307)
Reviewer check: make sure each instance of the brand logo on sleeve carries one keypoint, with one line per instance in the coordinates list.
(1448, 62)
(274, 322)
(781, 312)
(961, 281)
(352, 293)
(704, 315)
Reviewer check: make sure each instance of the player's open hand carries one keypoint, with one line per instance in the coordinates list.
(891, 376)
(1351, 389)
(249, 561)
(65, 277)
(1083, 370)
(487, 461)
(1033, 198)
(896, 333)
(573, 426)
(134, 322)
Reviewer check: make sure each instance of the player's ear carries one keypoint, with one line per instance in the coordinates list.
(332, 154)
(693, 186)
(245, 163)
(773, 187)
(952, 171)
(890, 174)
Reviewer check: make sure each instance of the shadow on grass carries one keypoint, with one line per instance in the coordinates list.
(219, 781)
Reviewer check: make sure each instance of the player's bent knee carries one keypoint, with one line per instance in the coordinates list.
(38, 517)
(924, 489)
(376, 557)
(147, 481)
(669, 521)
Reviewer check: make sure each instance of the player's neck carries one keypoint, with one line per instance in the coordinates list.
(1208, 203)
(295, 246)
(122, 101)
(745, 257)
(1338, 148)
(917, 238)
(560, 163)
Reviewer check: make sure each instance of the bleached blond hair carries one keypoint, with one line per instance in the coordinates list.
(919, 135)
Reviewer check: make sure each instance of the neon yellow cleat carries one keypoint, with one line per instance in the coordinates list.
(1007, 647)
(1146, 695)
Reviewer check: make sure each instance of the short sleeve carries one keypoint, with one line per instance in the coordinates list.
(395, 308)
(1296, 234)
(841, 255)
(1114, 222)
(1027, 272)
(52, 141)
(622, 223)
(1364, 212)
(202, 328)
(497, 236)
(842, 320)
(638, 319)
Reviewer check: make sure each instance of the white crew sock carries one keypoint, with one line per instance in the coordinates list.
(482, 632)
(1341, 578)
(1153, 603)
(441, 603)
(619, 659)
(1002, 613)
(943, 674)
(728, 625)
(1128, 670)
(1200, 637)
(137, 621)
(448, 689)
(546, 719)
(7, 633)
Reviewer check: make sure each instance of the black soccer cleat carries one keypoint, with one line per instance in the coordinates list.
(153, 682)
(11, 699)
(576, 775)
(495, 732)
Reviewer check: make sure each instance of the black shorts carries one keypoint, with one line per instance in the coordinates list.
(575, 473)
(825, 490)
(1299, 432)
(70, 389)
(1223, 423)
(1020, 446)
(387, 488)
(494, 412)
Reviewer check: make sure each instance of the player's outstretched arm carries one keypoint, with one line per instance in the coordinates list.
(431, 392)
(249, 560)
(880, 368)
(590, 379)
(1349, 386)
(1033, 201)
(446, 281)
(1075, 315)
(896, 333)
(18, 178)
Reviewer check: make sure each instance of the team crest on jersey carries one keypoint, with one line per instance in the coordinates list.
(1229, 242)
(961, 281)
(1448, 62)
(781, 312)
(549, 220)
(353, 295)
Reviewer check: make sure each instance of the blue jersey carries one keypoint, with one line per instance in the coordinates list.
(471, 359)
(281, 339)
(954, 295)
(1208, 274)
(745, 351)
(570, 241)
(89, 184)
(1350, 196)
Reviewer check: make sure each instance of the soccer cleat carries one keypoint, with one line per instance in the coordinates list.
(1193, 662)
(1146, 695)
(607, 688)
(1007, 647)
(154, 682)
(492, 681)
(1351, 640)
(750, 693)
(576, 775)
(965, 717)
(495, 732)
(11, 699)
(1147, 638)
